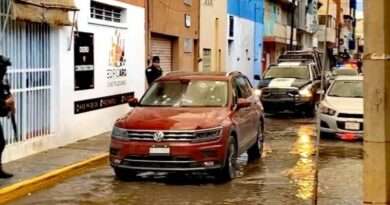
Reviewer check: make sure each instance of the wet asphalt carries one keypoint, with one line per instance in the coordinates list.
(284, 176)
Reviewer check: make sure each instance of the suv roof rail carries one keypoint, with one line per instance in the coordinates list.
(174, 73)
(233, 72)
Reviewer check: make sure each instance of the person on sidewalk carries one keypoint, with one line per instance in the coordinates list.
(7, 105)
(154, 71)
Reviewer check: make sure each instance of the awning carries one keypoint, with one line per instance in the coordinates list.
(53, 12)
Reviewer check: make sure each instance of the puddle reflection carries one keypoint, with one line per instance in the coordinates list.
(302, 174)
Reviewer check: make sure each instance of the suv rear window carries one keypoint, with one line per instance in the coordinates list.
(187, 93)
(298, 72)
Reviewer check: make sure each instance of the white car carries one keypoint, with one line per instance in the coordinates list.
(341, 112)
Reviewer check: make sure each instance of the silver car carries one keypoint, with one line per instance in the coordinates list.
(341, 112)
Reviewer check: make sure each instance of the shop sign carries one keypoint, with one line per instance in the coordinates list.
(100, 103)
(117, 71)
(84, 61)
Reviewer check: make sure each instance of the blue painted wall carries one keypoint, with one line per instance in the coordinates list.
(252, 10)
(248, 9)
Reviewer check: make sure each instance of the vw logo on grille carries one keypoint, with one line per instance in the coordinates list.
(158, 136)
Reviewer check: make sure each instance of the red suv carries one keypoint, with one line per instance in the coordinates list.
(188, 122)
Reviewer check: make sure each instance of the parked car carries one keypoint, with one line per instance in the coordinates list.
(343, 72)
(188, 122)
(290, 86)
(341, 111)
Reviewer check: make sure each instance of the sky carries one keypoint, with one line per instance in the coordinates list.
(360, 5)
(359, 13)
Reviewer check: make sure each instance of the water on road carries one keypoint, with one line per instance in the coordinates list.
(285, 176)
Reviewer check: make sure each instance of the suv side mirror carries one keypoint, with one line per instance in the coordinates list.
(133, 102)
(257, 77)
(243, 103)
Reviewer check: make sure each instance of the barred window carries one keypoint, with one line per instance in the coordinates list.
(106, 12)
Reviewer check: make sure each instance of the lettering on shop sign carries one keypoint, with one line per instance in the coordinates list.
(100, 103)
(117, 71)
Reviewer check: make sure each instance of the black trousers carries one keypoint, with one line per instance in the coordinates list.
(2, 144)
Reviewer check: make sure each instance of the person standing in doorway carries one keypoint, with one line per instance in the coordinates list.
(154, 71)
(7, 107)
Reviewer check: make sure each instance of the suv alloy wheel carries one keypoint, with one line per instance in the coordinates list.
(228, 171)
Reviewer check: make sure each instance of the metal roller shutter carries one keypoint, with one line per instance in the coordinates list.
(162, 47)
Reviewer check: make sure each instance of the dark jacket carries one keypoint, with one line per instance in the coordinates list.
(152, 73)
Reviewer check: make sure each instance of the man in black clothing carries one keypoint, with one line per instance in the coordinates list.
(153, 72)
(7, 105)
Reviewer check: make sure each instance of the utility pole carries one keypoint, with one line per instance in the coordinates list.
(317, 156)
(292, 25)
(354, 22)
(377, 102)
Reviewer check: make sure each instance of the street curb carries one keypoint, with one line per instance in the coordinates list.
(25, 187)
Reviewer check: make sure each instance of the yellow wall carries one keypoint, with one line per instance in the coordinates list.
(167, 19)
(213, 33)
(332, 8)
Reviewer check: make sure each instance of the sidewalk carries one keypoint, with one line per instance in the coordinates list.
(55, 160)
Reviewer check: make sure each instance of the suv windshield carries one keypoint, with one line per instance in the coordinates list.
(299, 72)
(347, 89)
(187, 93)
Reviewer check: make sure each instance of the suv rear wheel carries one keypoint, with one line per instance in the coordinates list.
(228, 171)
(255, 152)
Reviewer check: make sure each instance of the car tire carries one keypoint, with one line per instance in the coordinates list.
(310, 110)
(124, 174)
(228, 171)
(256, 150)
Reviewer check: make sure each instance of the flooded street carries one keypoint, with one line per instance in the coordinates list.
(285, 176)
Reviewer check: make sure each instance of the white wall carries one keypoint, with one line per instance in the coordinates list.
(95, 122)
(69, 127)
(238, 58)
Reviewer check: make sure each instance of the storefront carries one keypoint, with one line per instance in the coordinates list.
(72, 82)
(163, 47)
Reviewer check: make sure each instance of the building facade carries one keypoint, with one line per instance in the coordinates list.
(328, 21)
(212, 35)
(72, 82)
(277, 29)
(173, 28)
(347, 39)
(307, 23)
(245, 36)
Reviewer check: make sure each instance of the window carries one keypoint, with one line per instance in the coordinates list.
(106, 12)
(206, 59)
(231, 26)
(187, 93)
(242, 87)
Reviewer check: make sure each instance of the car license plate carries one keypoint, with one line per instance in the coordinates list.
(159, 151)
(352, 126)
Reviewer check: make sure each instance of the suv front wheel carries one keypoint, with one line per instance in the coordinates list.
(124, 174)
(228, 171)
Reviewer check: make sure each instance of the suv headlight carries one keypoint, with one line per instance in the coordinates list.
(306, 92)
(119, 133)
(208, 134)
(327, 111)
